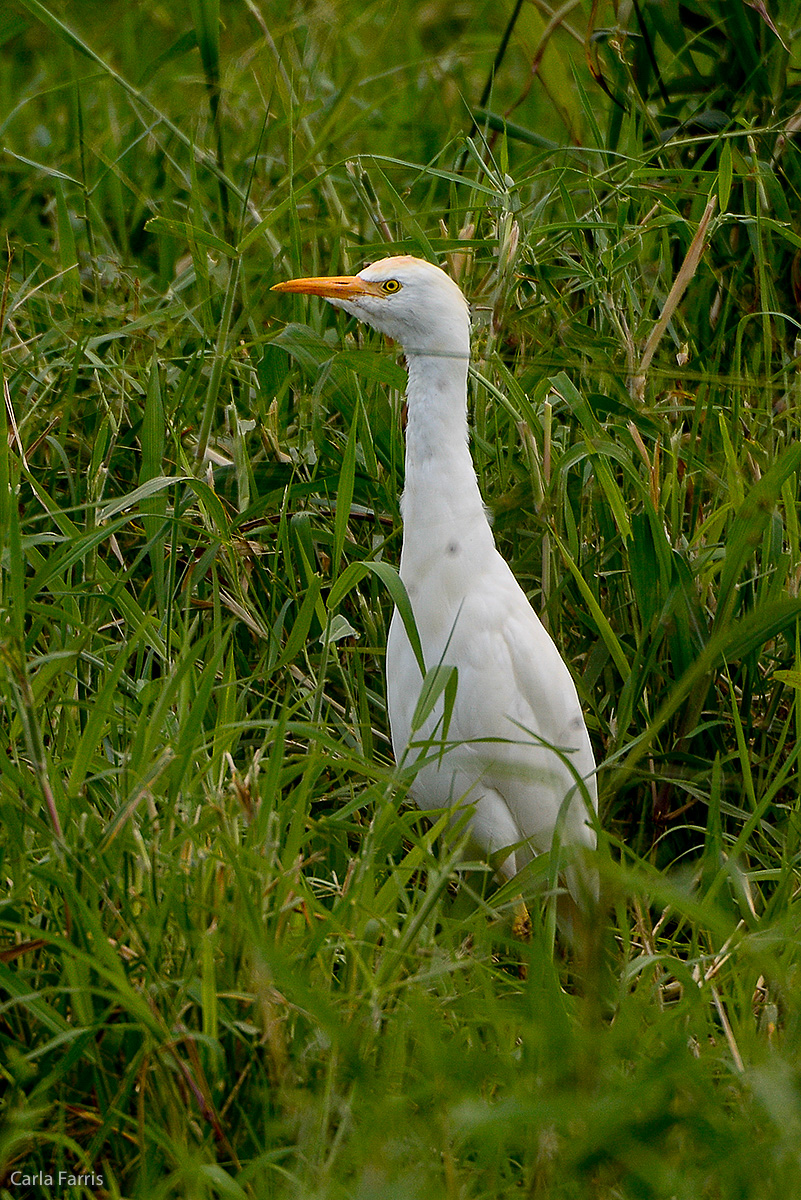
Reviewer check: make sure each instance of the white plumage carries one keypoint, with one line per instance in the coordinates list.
(517, 745)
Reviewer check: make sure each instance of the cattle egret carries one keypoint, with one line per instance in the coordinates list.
(516, 749)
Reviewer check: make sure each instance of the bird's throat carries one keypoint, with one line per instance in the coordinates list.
(441, 494)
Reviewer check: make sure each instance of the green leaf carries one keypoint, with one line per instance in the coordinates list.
(438, 680)
(748, 528)
(154, 507)
(206, 19)
(101, 712)
(70, 278)
(345, 494)
(734, 641)
(300, 630)
(790, 678)
(608, 635)
(339, 627)
(724, 176)
(194, 234)
(612, 492)
(150, 488)
(394, 584)
(191, 740)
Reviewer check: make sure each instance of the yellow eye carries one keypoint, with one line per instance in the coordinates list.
(391, 285)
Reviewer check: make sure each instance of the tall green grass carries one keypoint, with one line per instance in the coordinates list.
(234, 960)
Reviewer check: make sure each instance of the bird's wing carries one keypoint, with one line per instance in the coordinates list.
(516, 700)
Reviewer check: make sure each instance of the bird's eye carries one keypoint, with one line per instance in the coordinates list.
(391, 285)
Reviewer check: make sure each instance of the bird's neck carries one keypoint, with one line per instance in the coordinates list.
(441, 490)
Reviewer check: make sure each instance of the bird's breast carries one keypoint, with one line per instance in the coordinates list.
(440, 573)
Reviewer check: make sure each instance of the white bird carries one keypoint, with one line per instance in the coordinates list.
(516, 750)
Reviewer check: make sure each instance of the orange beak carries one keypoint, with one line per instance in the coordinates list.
(331, 287)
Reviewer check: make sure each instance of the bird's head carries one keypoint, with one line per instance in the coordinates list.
(406, 298)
